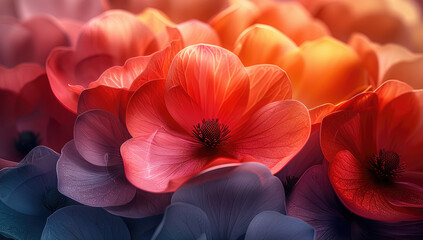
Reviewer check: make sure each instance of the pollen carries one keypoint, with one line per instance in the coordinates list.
(386, 166)
(211, 133)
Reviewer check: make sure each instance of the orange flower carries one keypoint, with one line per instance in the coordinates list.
(290, 18)
(177, 10)
(391, 61)
(322, 71)
(395, 21)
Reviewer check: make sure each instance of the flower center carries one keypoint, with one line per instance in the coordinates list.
(26, 141)
(289, 183)
(211, 133)
(386, 166)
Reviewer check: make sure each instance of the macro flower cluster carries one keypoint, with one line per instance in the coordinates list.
(211, 119)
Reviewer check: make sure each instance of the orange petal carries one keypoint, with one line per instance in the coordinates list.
(385, 62)
(230, 23)
(324, 71)
(156, 20)
(268, 83)
(273, 45)
(178, 11)
(292, 20)
(194, 32)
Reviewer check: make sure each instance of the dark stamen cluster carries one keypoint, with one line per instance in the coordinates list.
(211, 133)
(386, 166)
(289, 184)
(26, 141)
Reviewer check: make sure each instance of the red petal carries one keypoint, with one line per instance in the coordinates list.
(349, 130)
(214, 79)
(360, 194)
(122, 76)
(147, 111)
(105, 98)
(159, 64)
(390, 90)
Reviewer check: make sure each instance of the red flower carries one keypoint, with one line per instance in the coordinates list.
(30, 115)
(374, 148)
(210, 106)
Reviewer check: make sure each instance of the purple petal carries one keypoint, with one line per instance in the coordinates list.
(144, 204)
(82, 222)
(270, 225)
(97, 133)
(89, 184)
(183, 221)
(232, 196)
(310, 155)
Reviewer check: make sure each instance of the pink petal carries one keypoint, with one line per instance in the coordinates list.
(30, 40)
(78, 9)
(162, 161)
(274, 134)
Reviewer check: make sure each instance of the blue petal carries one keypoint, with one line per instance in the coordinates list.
(23, 187)
(143, 228)
(82, 222)
(183, 221)
(232, 196)
(271, 225)
(20, 226)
